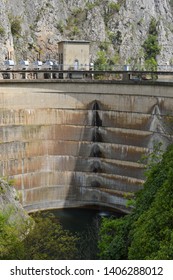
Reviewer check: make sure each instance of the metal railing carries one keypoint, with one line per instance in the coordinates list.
(84, 74)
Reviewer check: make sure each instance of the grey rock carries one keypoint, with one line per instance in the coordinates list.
(10, 204)
(122, 28)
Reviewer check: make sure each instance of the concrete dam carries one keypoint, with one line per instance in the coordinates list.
(78, 143)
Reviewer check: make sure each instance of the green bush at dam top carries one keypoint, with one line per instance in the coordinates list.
(146, 233)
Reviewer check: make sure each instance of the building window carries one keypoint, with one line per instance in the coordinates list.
(76, 64)
(61, 61)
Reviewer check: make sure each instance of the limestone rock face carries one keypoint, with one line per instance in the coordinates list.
(29, 28)
(9, 203)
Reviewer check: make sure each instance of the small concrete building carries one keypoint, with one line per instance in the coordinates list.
(73, 55)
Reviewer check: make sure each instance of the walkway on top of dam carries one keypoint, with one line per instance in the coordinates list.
(160, 87)
(89, 76)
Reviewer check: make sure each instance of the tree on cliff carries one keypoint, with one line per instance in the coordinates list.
(45, 240)
(48, 240)
(151, 47)
(11, 246)
(146, 233)
(14, 222)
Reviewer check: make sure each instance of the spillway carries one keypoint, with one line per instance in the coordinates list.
(74, 144)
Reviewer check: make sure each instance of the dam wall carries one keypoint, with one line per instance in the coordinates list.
(77, 143)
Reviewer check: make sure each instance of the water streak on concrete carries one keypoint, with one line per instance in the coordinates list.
(78, 144)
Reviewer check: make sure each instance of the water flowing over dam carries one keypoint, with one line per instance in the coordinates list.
(72, 143)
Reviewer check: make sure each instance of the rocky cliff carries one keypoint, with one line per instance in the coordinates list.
(119, 27)
(10, 203)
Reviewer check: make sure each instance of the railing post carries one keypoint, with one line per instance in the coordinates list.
(126, 75)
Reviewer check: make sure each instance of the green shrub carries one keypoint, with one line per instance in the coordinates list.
(2, 30)
(114, 7)
(171, 3)
(15, 25)
(151, 47)
(146, 233)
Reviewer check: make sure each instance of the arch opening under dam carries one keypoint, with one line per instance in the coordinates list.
(79, 144)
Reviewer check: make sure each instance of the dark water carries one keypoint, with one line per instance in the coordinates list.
(79, 219)
(85, 223)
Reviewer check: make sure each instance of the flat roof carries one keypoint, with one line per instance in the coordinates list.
(74, 42)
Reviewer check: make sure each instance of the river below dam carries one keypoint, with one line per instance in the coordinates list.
(85, 223)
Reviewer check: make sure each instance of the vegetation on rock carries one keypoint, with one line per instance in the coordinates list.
(151, 47)
(11, 246)
(48, 240)
(43, 238)
(146, 233)
(123, 24)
